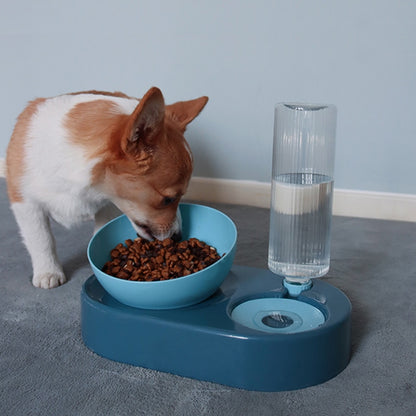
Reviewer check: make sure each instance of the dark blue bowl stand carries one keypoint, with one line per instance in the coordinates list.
(203, 342)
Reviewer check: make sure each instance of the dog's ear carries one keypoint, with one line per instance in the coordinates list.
(146, 121)
(183, 112)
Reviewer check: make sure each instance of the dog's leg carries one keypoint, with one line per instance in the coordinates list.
(36, 232)
(105, 214)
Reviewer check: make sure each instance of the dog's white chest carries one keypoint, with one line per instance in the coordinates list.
(74, 207)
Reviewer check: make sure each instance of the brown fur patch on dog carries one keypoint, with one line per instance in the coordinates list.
(92, 124)
(105, 93)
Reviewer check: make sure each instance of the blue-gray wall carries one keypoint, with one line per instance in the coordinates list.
(246, 56)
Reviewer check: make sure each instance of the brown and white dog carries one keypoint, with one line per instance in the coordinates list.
(73, 155)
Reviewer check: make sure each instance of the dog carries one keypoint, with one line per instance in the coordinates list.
(79, 156)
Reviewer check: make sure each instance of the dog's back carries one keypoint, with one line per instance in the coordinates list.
(55, 146)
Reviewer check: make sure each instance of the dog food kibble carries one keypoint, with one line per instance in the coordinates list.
(144, 260)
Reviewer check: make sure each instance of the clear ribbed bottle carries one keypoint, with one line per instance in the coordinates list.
(302, 189)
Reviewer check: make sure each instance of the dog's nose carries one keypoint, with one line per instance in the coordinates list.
(177, 236)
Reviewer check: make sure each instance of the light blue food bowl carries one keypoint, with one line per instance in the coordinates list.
(198, 221)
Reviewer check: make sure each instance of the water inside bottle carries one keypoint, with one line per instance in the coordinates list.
(300, 225)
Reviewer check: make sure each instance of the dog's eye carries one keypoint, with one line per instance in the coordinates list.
(167, 201)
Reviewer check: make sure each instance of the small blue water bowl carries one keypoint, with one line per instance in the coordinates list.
(198, 221)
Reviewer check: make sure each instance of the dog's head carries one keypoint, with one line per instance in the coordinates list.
(150, 164)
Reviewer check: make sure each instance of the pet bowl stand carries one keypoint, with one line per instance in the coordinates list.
(251, 334)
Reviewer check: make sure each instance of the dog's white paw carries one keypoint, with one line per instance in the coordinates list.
(48, 280)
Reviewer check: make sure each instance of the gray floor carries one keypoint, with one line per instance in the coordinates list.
(45, 369)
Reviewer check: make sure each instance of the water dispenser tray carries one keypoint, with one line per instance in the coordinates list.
(285, 349)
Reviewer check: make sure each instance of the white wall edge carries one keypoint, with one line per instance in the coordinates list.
(347, 202)
(350, 203)
(2, 168)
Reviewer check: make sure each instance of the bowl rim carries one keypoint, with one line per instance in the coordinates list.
(169, 281)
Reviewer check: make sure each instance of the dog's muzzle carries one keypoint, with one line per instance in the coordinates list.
(150, 233)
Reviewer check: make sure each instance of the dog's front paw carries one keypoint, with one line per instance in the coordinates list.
(48, 280)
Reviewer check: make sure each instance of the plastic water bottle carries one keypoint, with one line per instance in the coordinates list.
(302, 190)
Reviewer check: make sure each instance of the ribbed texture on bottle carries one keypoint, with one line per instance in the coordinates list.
(302, 187)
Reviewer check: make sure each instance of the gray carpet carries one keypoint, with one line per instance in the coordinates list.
(45, 369)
